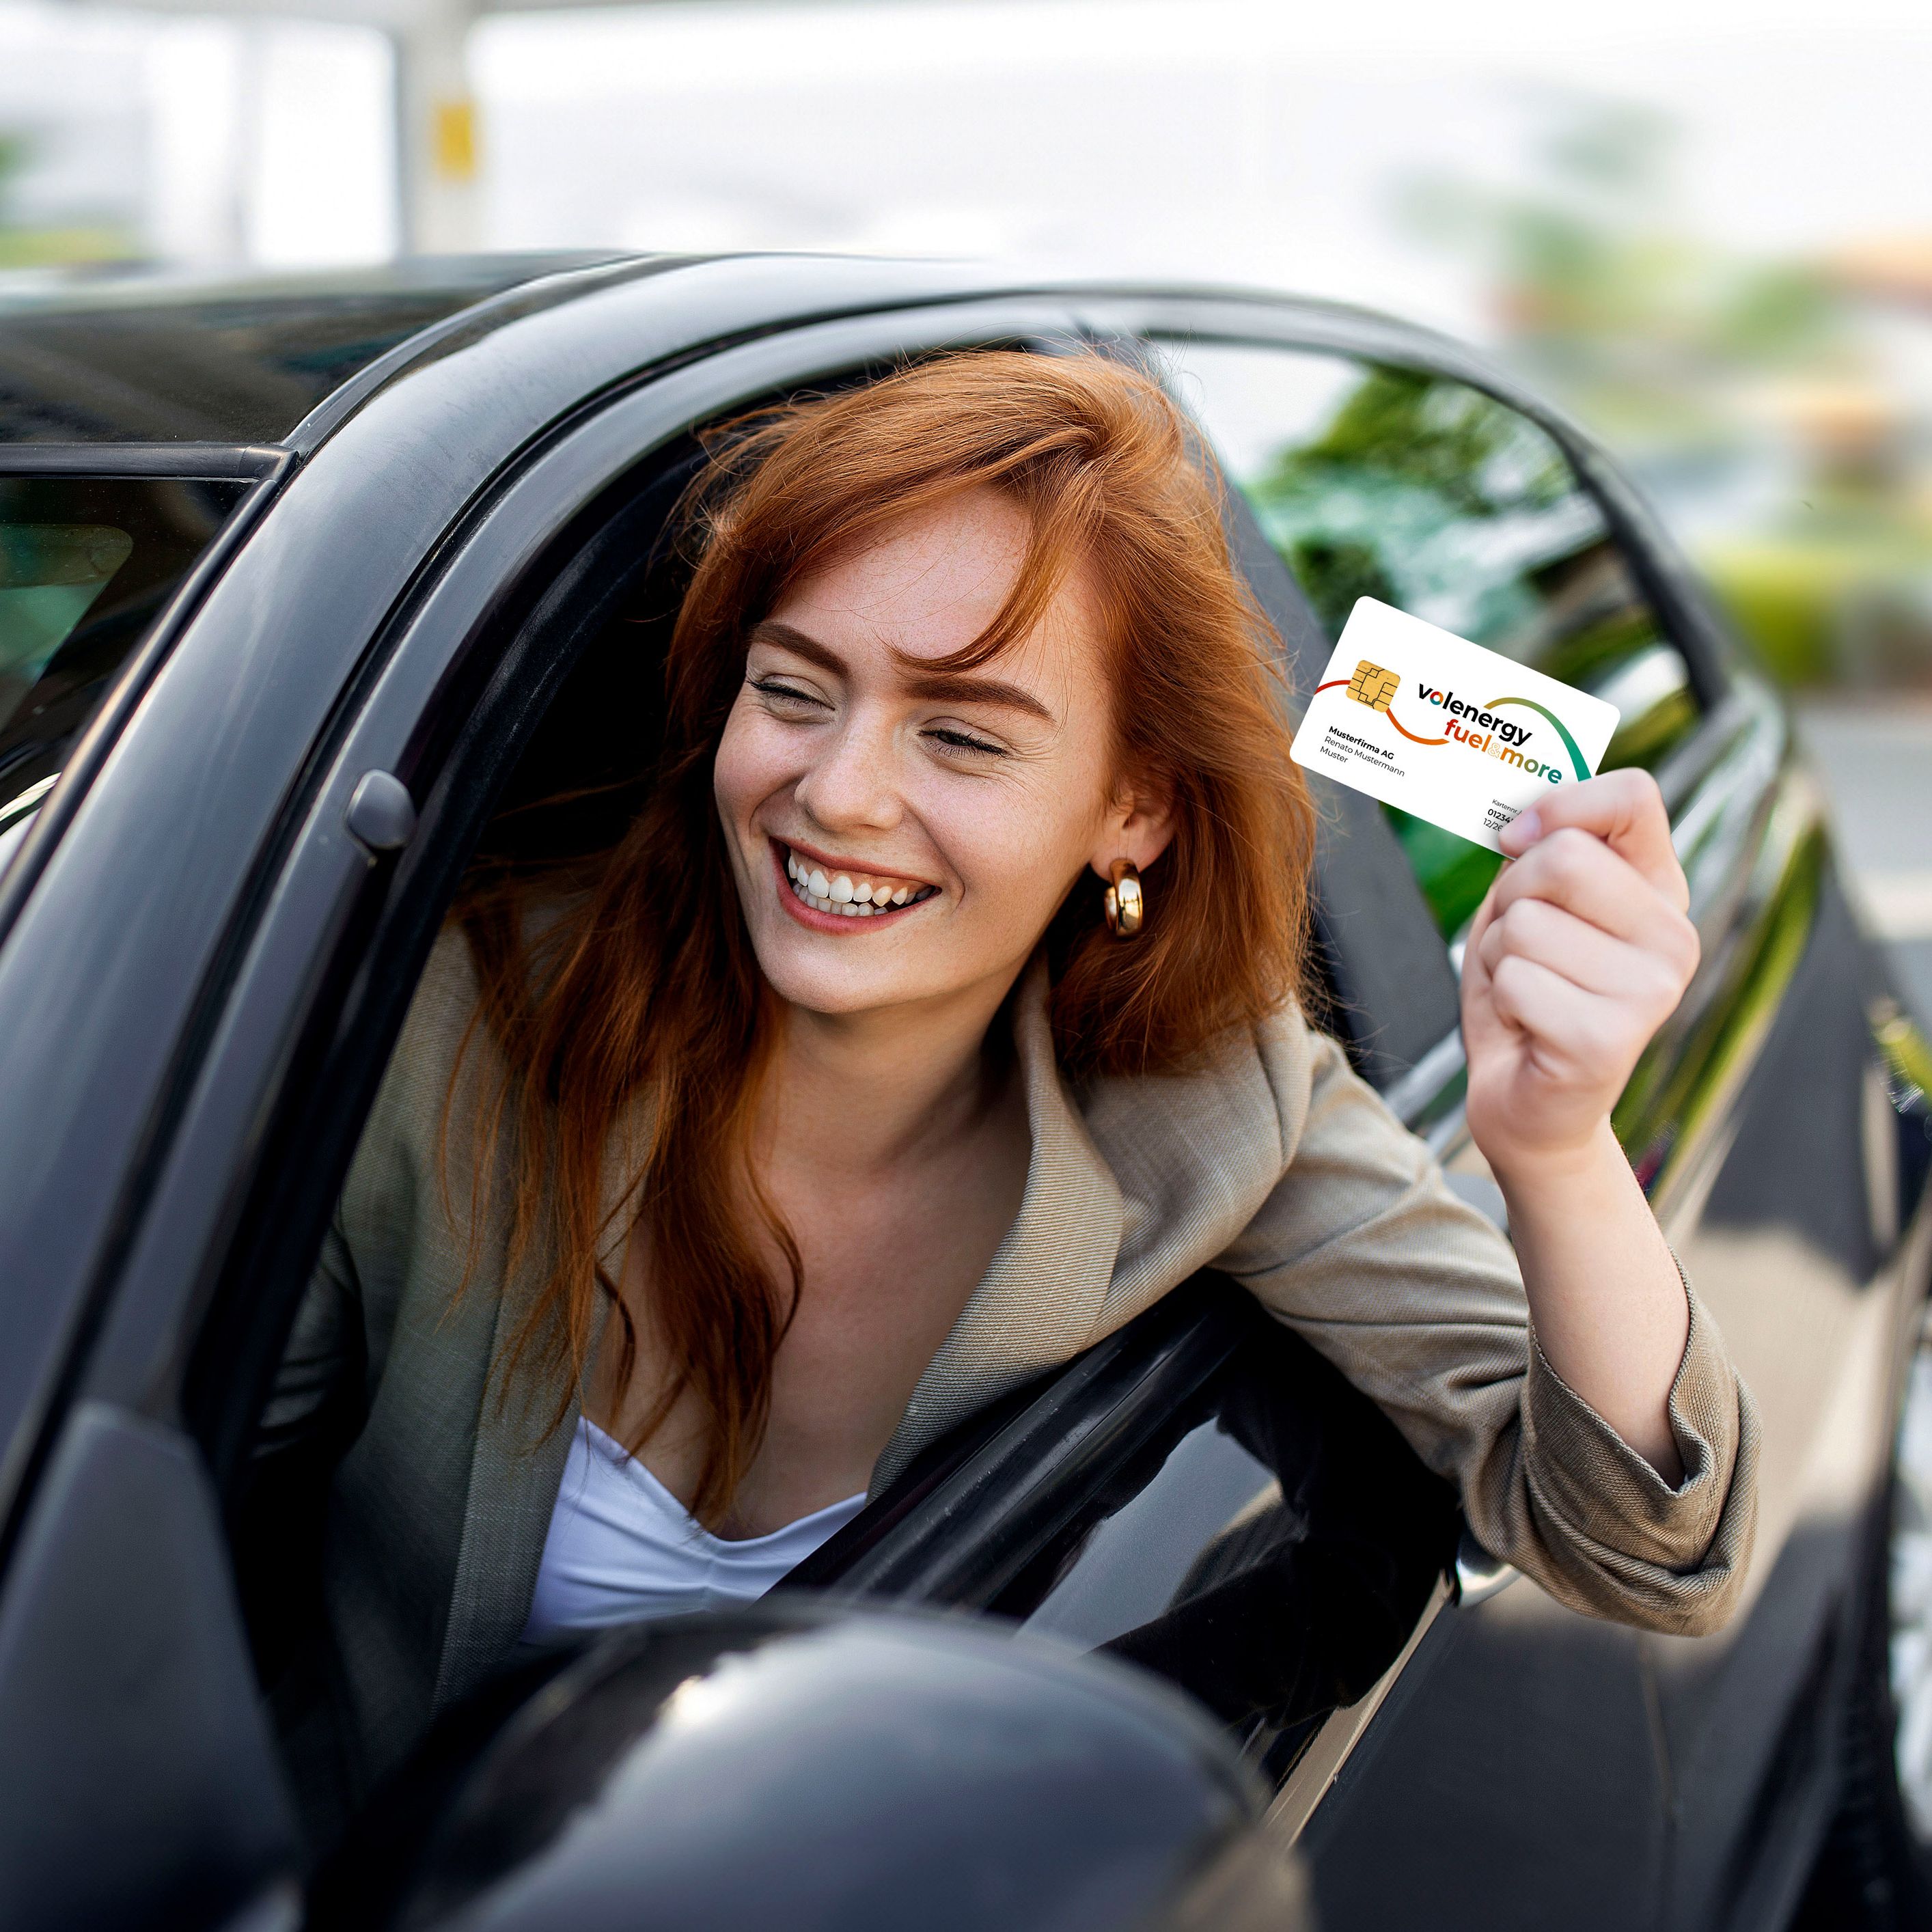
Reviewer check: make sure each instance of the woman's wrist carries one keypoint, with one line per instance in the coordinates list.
(1531, 1177)
(1607, 1301)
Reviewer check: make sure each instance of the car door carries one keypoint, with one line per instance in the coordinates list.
(1222, 1543)
(1378, 466)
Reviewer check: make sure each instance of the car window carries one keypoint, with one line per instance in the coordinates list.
(85, 563)
(1373, 480)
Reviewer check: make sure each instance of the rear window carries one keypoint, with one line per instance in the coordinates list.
(85, 564)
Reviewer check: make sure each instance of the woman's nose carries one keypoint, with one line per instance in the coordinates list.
(855, 780)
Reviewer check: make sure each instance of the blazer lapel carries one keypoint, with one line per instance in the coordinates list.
(1042, 1293)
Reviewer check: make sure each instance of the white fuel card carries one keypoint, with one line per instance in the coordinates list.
(1462, 736)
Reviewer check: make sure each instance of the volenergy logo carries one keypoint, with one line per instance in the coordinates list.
(1478, 727)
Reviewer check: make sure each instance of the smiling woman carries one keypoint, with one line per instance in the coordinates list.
(905, 660)
(943, 1006)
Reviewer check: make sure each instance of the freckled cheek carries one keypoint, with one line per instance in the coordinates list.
(1009, 855)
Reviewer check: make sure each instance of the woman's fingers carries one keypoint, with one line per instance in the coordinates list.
(1584, 953)
(1576, 870)
(1578, 1032)
(1625, 811)
(1579, 873)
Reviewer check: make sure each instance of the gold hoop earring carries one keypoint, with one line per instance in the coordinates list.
(1126, 903)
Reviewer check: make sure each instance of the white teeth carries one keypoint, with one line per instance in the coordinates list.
(839, 896)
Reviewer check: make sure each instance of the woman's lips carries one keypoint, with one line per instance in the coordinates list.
(829, 898)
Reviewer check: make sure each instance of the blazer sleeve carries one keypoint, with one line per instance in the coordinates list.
(1361, 1248)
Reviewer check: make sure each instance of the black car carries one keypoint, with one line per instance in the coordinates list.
(304, 588)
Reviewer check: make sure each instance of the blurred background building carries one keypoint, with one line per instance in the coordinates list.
(1707, 227)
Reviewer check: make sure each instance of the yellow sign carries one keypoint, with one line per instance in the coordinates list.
(453, 139)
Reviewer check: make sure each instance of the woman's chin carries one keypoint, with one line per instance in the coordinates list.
(845, 996)
(833, 976)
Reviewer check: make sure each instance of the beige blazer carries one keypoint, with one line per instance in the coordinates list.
(1273, 1161)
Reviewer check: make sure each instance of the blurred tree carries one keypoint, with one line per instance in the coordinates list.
(1641, 326)
(1717, 377)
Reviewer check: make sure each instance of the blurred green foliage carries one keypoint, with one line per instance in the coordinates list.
(1641, 325)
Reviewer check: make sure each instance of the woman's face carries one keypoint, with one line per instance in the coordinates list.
(900, 835)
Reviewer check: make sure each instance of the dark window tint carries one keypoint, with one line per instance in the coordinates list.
(85, 566)
(1378, 482)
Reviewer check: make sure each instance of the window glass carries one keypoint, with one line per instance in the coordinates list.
(1379, 482)
(85, 566)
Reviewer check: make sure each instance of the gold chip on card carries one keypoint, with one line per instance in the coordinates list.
(1372, 686)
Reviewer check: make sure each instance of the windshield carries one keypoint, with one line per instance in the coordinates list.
(85, 564)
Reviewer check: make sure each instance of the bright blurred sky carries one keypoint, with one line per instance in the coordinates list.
(1226, 138)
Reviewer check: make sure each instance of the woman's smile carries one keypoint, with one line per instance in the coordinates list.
(824, 893)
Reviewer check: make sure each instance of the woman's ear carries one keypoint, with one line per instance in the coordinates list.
(1138, 825)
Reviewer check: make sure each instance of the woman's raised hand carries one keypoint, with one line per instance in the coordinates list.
(1579, 953)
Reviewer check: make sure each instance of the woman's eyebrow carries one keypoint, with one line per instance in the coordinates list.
(948, 687)
(789, 638)
(939, 686)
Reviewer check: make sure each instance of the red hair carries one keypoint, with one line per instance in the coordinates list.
(639, 978)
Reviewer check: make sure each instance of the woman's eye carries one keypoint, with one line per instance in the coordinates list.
(782, 693)
(955, 739)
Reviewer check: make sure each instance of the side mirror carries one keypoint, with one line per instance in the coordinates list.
(788, 1765)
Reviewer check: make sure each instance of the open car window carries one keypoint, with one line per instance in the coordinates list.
(1184, 1518)
(1200, 1493)
(1370, 479)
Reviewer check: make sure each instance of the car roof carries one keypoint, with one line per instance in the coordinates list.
(195, 365)
(242, 360)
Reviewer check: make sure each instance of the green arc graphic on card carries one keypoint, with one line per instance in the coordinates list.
(1562, 729)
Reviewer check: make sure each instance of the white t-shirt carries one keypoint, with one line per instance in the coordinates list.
(621, 1546)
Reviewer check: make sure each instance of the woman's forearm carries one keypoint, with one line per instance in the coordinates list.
(1605, 1300)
